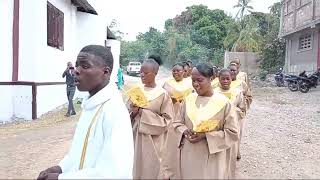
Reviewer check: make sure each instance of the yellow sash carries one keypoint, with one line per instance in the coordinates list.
(181, 89)
(230, 94)
(85, 144)
(235, 84)
(201, 117)
(215, 83)
(141, 97)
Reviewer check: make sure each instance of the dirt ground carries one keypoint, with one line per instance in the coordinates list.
(281, 140)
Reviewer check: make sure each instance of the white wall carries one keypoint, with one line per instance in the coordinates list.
(6, 105)
(40, 62)
(91, 29)
(6, 19)
(50, 97)
(22, 99)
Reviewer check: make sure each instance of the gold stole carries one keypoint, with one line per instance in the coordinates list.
(200, 117)
(215, 83)
(141, 97)
(181, 89)
(85, 144)
(231, 94)
(235, 84)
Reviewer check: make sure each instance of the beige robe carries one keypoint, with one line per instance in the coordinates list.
(182, 88)
(211, 157)
(215, 83)
(150, 132)
(244, 77)
(172, 153)
(244, 88)
(239, 103)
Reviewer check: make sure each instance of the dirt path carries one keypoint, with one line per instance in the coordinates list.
(282, 139)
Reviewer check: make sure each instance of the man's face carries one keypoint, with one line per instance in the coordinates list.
(69, 65)
(225, 80)
(90, 72)
(234, 72)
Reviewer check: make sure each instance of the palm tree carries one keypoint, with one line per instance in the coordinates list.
(244, 7)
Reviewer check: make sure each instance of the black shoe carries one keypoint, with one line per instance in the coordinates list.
(238, 157)
(67, 115)
(73, 113)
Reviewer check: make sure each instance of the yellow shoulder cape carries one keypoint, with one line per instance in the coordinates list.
(201, 117)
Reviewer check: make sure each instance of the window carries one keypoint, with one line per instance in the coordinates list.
(305, 42)
(55, 27)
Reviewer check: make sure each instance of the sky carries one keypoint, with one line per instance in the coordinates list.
(134, 16)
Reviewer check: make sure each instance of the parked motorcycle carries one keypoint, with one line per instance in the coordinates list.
(308, 82)
(293, 83)
(281, 78)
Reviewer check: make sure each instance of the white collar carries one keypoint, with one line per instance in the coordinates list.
(105, 94)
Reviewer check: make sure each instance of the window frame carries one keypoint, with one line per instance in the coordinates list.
(55, 27)
(305, 37)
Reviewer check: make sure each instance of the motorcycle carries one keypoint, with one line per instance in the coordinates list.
(281, 78)
(308, 82)
(293, 83)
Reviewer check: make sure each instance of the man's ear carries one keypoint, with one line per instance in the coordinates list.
(107, 70)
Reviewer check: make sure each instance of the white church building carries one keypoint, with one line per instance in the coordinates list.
(38, 38)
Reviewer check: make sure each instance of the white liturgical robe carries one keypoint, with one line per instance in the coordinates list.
(110, 150)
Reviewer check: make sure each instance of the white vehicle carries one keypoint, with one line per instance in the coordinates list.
(133, 68)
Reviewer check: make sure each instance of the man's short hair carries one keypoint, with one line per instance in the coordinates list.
(100, 51)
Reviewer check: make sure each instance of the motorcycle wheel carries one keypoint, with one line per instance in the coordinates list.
(304, 88)
(293, 86)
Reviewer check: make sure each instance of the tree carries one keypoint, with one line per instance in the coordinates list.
(244, 8)
(114, 27)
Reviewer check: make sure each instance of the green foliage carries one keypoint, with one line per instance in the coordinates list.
(273, 55)
(200, 34)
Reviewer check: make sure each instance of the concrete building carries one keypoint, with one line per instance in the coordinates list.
(38, 38)
(300, 26)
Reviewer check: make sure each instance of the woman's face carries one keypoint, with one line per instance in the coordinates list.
(147, 74)
(225, 80)
(200, 83)
(177, 72)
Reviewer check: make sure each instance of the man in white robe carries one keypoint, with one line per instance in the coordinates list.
(102, 146)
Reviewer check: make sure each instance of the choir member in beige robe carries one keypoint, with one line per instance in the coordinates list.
(178, 88)
(241, 75)
(236, 83)
(243, 87)
(237, 100)
(150, 123)
(207, 128)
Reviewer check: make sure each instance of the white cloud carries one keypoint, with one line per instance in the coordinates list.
(138, 15)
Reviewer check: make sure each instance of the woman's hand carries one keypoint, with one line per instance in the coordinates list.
(134, 111)
(196, 137)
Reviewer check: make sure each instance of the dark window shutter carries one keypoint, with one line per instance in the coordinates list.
(61, 31)
(49, 24)
(55, 27)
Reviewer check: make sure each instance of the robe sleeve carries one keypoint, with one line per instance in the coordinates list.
(241, 105)
(227, 136)
(247, 95)
(116, 156)
(153, 123)
(179, 123)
